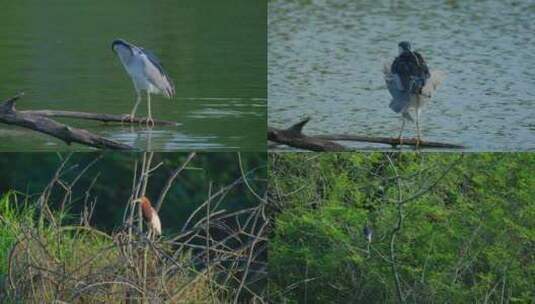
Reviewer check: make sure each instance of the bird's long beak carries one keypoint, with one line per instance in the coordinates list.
(137, 200)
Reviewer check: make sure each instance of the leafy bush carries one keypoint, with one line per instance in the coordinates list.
(466, 234)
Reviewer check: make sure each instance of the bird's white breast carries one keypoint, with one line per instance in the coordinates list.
(155, 223)
(136, 69)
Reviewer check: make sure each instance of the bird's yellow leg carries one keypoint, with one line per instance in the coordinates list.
(133, 113)
(150, 122)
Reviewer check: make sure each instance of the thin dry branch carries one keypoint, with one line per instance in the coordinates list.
(397, 228)
(171, 180)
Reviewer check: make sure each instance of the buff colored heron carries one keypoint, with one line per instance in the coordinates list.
(150, 216)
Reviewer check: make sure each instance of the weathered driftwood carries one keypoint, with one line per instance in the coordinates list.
(389, 140)
(294, 137)
(124, 118)
(9, 115)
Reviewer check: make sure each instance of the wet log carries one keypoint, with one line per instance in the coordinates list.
(10, 116)
(295, 138)
(124, 118)
(393, 141)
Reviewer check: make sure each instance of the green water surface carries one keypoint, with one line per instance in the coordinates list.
(59, 53)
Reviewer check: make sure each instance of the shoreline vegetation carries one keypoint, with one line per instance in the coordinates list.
(455, 228)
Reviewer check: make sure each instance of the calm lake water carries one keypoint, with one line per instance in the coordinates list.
(59, 54)
(325, 60)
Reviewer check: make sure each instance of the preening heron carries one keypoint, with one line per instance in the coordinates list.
(411, 84)
(146, 72)
(150, 215)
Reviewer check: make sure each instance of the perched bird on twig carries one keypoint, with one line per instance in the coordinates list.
(150, 216)
(368, 233)
(411, 84)
(146, 72)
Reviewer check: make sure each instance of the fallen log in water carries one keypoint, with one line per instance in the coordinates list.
(124, 118)
(294, 137)
(9, 115)
(390, 141)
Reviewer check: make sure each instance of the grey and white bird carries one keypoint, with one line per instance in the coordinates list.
(368, 233)
(411, 84)
(146, 72)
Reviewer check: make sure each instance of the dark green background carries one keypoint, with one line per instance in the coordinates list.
(29, 173)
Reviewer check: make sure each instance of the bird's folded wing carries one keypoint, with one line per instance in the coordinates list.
(157, 75)
(156, 224)
(400, 98)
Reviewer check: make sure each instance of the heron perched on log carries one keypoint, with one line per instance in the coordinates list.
(150, 216)
(411, 84)
(146, 71)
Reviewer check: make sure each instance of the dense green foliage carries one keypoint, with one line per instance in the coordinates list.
(467, 230)
(10, 219)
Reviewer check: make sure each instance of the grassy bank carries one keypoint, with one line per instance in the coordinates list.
(43, 262)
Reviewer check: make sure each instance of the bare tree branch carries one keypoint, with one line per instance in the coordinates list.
(171, 179)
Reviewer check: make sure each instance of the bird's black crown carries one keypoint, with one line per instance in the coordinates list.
(405, 45)
(119, 42)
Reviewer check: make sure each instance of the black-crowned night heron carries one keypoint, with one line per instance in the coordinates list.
(146, 72)
(411, 84)
(368, 233)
